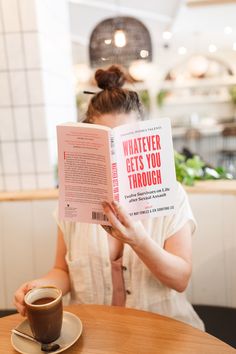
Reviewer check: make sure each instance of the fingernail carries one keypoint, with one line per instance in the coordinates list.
(115, 203)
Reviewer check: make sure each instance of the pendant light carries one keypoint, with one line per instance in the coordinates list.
(119, 38)
(119, 33)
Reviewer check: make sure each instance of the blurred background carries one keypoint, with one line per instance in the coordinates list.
(181, 58)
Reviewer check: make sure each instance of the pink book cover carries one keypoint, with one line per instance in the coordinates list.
(147, 180)
(84, 171)
(132, 163)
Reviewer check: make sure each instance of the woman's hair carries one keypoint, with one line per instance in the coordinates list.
(113, 98)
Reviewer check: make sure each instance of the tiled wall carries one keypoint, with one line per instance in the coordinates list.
(36, 90)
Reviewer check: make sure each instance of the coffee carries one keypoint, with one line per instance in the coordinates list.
(44, 312)
(44, 300)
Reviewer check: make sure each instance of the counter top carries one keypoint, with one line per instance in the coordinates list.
(202, 129)
(201, 187)
(213, 187)
(39, 194)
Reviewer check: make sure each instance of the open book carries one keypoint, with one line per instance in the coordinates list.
(132, 164)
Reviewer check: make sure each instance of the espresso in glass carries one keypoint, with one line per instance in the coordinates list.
(44, 312)
(44, 300)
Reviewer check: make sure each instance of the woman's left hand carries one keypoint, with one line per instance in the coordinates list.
(122, 227)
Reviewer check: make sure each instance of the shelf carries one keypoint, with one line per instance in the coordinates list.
(200, 83)
(203, 129)
(195, 100)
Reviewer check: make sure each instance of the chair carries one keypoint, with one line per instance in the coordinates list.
(4, 313)
(227, 154)
(219, 321)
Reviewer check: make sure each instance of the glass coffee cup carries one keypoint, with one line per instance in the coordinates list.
(44, 311)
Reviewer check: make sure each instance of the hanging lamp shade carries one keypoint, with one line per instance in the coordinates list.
(119, 40)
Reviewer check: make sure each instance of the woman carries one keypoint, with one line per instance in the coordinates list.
(144, 265)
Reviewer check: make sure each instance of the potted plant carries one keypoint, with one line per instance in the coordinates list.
(161, 96)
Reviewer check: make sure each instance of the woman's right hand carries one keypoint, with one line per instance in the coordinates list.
(20, 294)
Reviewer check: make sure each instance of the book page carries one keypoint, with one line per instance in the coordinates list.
(84, 172)
(145, 168)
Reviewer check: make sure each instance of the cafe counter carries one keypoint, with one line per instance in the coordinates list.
(201, 187)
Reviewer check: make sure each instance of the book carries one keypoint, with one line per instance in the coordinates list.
(132, 164)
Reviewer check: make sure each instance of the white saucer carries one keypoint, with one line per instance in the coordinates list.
(71, 331)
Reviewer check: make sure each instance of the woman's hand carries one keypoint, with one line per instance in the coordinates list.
(20, 294)
(122, 227)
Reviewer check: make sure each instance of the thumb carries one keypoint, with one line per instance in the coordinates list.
(28, 287)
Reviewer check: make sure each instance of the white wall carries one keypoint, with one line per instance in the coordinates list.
(27, 244)
(36, 88)
(214, 249)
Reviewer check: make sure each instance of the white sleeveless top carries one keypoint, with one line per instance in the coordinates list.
(89, 266)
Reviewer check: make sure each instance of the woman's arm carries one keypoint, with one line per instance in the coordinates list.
(58, 276)
(171, 265)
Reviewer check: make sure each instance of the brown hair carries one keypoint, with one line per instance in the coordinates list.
(113, 98)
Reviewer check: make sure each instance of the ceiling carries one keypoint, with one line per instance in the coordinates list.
(208, 22)
(194, 27)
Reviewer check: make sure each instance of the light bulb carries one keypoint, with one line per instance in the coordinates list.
(144, 53)
(139, 70)
(212, 48)
(228, 30)
(166, 35)
(120, 38)
(198, 66)
(107, 41)
(182, 50)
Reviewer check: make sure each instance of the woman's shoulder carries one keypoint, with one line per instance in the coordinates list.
(181, 204)
(181, 193)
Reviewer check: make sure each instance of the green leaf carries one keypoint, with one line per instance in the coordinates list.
(223, 173)
(211, 173)
(194, 169)
(161, 97)
(195, 162)
(188, 181)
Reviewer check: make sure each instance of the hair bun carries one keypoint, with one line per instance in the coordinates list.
(111, 78)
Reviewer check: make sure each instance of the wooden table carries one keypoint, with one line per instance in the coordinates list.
(200, 187)
(116, 330)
